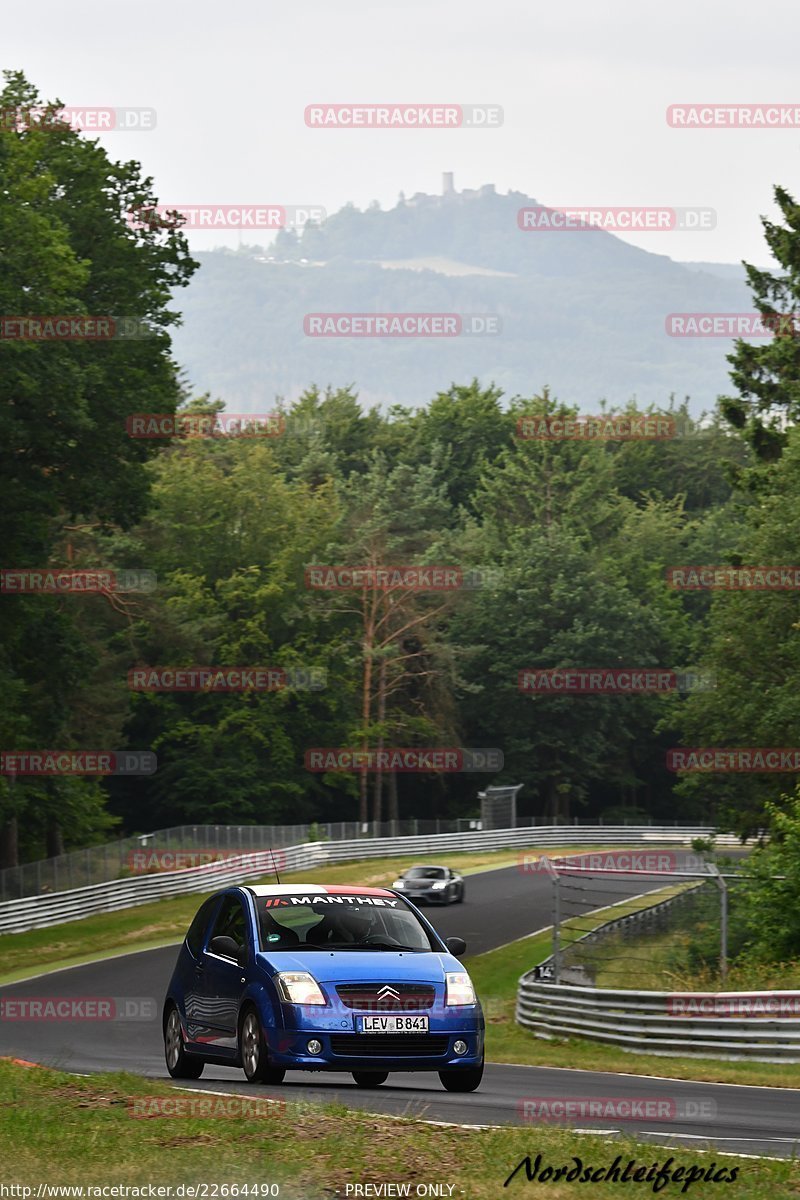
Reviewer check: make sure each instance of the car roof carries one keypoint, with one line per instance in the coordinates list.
(315, 889)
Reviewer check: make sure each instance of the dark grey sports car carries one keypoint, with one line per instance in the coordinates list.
(434, 885)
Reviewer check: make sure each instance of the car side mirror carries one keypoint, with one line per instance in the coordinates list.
(456, 946)
(228, 947)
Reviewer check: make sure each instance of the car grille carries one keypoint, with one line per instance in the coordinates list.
(384, 1045)
(367, 997)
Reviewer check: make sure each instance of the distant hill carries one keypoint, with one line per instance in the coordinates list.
(724, 270)
(581, 311)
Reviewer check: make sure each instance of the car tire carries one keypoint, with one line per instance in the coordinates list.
(460, 896)
(253, 1051)
(370, 1079)
(462, 1079)
(179, 1064)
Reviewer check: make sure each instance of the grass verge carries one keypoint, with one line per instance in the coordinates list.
(64, 1130)
(663, 962)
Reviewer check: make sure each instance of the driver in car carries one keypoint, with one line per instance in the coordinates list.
(340, 925)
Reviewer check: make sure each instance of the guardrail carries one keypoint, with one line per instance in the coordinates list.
(112, 860)
(664, 1023)
(760, 1026)
(34, 912)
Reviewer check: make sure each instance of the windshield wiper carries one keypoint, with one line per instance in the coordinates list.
(390, 946)
(360, 946)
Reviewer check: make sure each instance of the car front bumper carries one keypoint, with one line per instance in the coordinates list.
(344, 1049)
(426, 895)
(336, 1056)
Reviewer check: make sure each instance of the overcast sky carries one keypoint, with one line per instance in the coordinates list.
(584, 88)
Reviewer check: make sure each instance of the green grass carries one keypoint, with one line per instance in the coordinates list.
(165, 921)
(61, 1129)
(662, 963)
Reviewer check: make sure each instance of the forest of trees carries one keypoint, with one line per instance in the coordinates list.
(572, 538)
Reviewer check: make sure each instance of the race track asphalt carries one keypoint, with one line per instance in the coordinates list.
(500, 906)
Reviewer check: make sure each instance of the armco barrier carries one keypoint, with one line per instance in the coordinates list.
(34, 912)
(643, 1021)
(760, 1026)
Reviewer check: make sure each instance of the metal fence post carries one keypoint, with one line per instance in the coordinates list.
(554, 876)
(723, 929)
(723, 921)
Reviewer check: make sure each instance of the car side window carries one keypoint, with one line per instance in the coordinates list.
(194, 937)
(230, 921)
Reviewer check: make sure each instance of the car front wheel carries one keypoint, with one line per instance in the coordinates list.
(253, 1052)
(465, 1079)
(179, 1064)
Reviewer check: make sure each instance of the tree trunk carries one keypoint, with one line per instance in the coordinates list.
(54, 838)
(377, 806)
(9, 847)
(393, 806)
(366, 708)
(551, 807)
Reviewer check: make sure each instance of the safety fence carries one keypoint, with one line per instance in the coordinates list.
(761, 1026)
(30, 912)
(113, 860)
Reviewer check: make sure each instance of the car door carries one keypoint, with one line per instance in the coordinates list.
(190, 958)
(221, 981)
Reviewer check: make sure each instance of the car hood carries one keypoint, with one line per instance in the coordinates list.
(348, 966)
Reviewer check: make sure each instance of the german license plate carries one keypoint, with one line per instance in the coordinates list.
(392, 1024)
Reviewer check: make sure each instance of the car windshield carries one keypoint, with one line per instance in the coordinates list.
(426, 873)
(338, 923)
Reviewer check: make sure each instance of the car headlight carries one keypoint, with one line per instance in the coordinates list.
(298, 987)
(459, 988)
(399, 883)
(440, 883)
